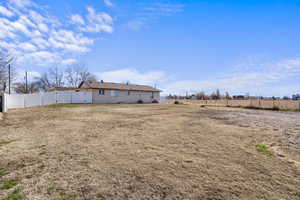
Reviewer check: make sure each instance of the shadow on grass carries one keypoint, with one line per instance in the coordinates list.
(70, 105)
(274, 108)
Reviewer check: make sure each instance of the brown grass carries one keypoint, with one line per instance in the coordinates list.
(283, 105)
(140, 152)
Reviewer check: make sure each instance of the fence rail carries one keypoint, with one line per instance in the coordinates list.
(254, 103)
(12, 101)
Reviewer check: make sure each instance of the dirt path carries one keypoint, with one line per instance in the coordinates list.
(284, 125)
(140, 152)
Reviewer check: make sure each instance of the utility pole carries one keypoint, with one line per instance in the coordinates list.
(56, 76)
(9, 79)
(26, 83)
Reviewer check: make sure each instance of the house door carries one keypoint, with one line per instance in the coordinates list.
(1, 104)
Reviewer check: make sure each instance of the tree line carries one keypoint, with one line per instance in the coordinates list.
(54, 77)
(216, 95)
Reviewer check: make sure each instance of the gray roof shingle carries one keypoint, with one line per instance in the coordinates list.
(119, 86)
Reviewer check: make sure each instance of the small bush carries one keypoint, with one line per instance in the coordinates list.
(262, 148)
(176, 102)
(3, 172)
(140, 101)
(8, 185)
(276, 108)
(15, 195)
(253, 107)
(155, 101)
(50, 189)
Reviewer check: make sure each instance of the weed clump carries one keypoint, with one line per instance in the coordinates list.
(15, 195)
(155, 101)
(8, 185)
(3, 172)
(262, 148)
(177, 102)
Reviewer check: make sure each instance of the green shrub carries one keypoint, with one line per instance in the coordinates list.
(3, 172)
(262, 148)
(8, 185)
(15, 195)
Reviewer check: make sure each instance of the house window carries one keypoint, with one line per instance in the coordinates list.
(127, 92)
(152, 95)
(101, 92)
(114, 93)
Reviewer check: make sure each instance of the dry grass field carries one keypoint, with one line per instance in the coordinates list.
(91, 152)
(287, 105)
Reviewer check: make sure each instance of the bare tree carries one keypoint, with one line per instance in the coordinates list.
(75, 74)
(5, 60)
(21, 88)
(56, 77)
(52, 78)
(227, 96)
(202, 96)
(216, 95)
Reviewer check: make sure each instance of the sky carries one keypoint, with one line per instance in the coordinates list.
(179, 46)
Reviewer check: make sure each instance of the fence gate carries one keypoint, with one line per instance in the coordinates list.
(1, 103)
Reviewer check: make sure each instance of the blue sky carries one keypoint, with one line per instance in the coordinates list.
(181, 46)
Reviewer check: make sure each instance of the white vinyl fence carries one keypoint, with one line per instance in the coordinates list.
(40, 99)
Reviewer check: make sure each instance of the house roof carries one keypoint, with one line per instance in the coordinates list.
(118, 86)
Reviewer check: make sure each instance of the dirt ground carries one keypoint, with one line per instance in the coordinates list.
(91, 152)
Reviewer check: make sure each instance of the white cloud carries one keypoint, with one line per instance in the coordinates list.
(43, 27)
(18, 26)
(77, 19)
(95, 22)
(151, 12)
(136, 24)
(69, 41)
(163, 9)
(6, 45)
(32, 32)
(248, 79)
(133, 76)
(27, 46)
(108, 3)
(40, 58)
(31, 75)
(68, 61)
(40, 42)
(21, 3)
(6, 12)
(6, 29)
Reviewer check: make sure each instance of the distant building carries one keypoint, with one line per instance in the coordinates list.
(106, 92)
(238, 97)
(296, 97)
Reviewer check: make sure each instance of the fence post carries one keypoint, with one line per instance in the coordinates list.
(24, 98)
(55, 97)
(4, 103)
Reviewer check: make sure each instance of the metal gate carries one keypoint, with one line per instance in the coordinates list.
(1, 103)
